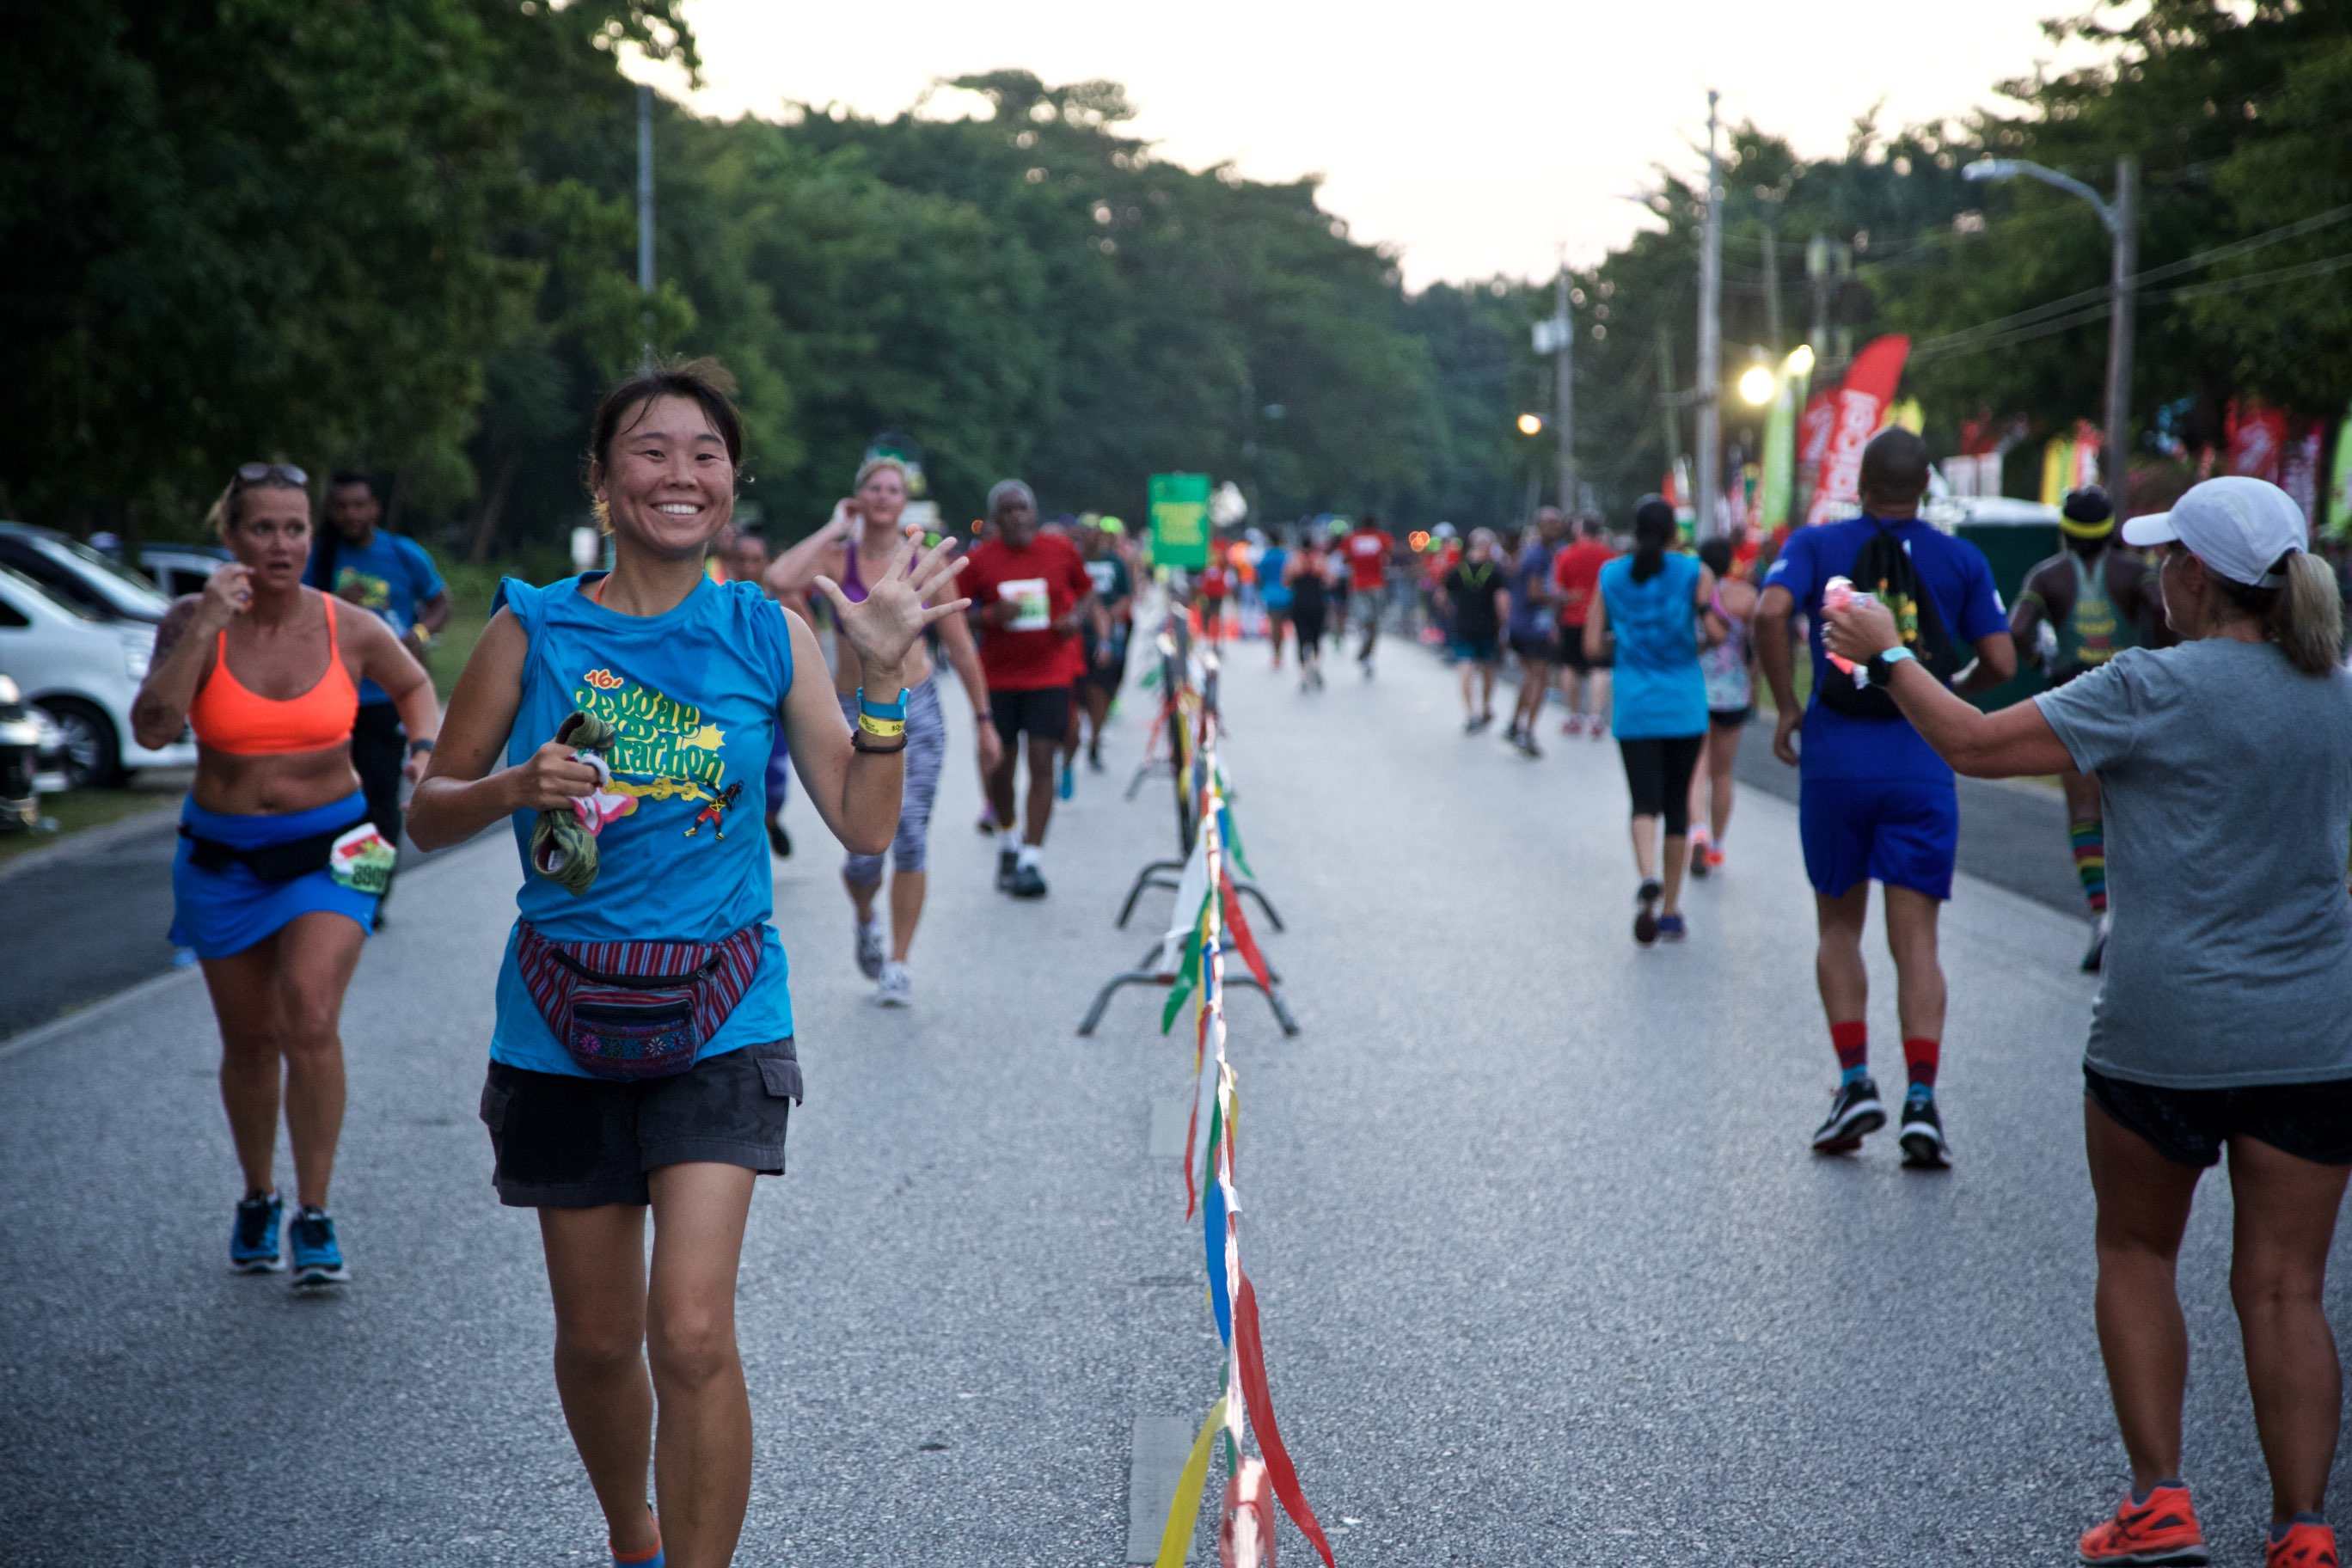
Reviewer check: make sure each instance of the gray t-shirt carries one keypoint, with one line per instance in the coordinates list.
(2228, 780)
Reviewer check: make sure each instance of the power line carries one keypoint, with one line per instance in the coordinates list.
(2261, 279)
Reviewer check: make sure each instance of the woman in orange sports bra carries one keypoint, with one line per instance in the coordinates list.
(278, 872)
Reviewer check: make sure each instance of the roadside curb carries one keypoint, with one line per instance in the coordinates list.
(90, 841)
(155, 985)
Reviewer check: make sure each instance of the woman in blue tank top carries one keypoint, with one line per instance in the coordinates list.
(1654, 605)
(643, 1055)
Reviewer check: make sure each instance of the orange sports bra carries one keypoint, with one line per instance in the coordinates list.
(229, 717)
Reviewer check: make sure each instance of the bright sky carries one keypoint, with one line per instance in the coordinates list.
(1476, 136)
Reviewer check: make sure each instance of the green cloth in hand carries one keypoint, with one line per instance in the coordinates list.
(562, 850)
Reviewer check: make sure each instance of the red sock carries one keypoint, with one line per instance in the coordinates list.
(1921, 1057)
(1852, 1042)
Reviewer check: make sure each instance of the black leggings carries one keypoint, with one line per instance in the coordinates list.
(1658, 772)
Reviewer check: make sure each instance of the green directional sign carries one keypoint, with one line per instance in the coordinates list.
(1179, 521)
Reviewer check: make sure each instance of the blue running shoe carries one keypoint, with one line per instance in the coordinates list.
(253, 1241)
(657, 1559)
(317, 1259)
(1672, 928)
(1068, 785)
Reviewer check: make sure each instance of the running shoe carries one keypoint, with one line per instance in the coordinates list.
(2097, 955)
(780, 841)
(1485, 719)
(870, 952)
(1008, 861)
(1572, 725)
(252, 1241)
(656, 1558)
(2309, 1542)
(1715, 857)
(1094, 758)
(1922, 1134)
(2159, 1529)
(1027, 883)
(896, 989)
(1527, 745)
(1853, 1114)
(317, 1259)
(1672, 928)
(987, 823)
(1699, 866)
(1067, 784)
(1645, 923)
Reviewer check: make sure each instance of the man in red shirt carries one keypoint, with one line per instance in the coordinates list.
(1368, 580)
(1576, 575)
(1029, 592)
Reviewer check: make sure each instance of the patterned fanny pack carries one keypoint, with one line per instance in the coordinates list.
(633, 1010)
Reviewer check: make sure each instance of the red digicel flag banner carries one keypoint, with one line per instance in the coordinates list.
(1860, 409)
(1814, 425)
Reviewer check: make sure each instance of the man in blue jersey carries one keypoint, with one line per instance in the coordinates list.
(389, 576)
(1875, 804)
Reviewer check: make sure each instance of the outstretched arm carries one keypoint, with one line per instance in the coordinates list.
(857, 791)
(2015, 742)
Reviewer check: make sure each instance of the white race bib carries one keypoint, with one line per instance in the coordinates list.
(1033, 605)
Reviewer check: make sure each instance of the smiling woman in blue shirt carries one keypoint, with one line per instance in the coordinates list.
(642, 1053)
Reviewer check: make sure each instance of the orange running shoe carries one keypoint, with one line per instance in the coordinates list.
(2162, 1530)
(2309, 1542)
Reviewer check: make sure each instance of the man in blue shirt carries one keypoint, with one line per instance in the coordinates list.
(392, 577)
(1875, 804)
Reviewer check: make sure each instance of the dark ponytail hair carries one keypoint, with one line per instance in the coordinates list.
(705, 381)
(1654, 530)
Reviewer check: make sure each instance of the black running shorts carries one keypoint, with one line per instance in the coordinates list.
(1045, 713)
(565, 1142)
(2188, 1126)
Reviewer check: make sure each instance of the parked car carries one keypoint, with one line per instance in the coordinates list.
(83, 671)
(20, 760)
(177, 568)
(72, 569)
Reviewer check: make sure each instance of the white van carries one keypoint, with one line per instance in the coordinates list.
(83, 672)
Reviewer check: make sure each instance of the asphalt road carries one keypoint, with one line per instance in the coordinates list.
(1547, 1274)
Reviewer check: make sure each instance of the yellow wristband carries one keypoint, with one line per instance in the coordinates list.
(888, 728)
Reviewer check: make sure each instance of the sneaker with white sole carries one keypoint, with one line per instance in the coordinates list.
(318, 1256)
(870, 951)
(1854, 1114)
(1922, 1133)
(897, 988)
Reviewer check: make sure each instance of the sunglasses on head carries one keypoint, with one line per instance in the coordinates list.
(284, 473)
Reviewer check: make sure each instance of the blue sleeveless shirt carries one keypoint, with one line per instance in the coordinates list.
(694, 696)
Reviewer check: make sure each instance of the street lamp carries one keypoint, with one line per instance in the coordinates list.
(1531, 424)
(2122, 220)
(1757, 385)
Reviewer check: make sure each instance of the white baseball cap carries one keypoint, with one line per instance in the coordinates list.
(2242, 528)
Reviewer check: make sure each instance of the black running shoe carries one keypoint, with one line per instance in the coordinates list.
(1923, 1134)
(1854, 1115)
(780, 841)
(2098, 956)
(1008, 861)
(1027, 883)
(1645, 923)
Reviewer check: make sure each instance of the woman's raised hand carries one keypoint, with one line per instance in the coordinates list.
(899, 604)
(1861, 631)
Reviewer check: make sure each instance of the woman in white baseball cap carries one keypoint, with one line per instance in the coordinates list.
(2220, 1023)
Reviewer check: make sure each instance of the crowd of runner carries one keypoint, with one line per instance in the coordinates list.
(641, 1043)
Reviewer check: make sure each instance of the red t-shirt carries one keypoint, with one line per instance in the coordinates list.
(1367, 557)
(1045, 580)
(1214, 580)
(1576, 573)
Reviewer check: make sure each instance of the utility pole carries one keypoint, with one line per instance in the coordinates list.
(2121, 219)
(1772, 292)
(1710, 337)
(1564, 396)
(1669, 403)
(1817, 274)
(2115, 465)
(645, 206)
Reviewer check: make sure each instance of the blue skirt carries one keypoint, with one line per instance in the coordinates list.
(221, 912)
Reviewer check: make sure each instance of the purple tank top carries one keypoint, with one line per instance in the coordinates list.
(853, 586)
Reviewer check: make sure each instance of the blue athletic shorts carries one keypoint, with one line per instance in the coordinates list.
(1901, 832)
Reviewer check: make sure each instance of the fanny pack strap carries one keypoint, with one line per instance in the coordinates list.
(271, 862)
